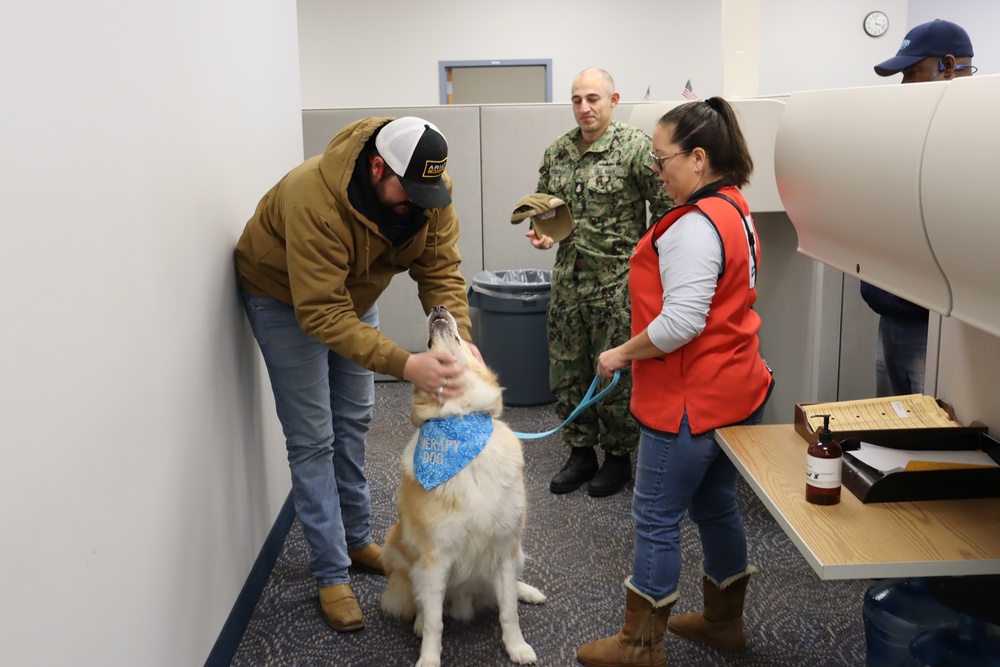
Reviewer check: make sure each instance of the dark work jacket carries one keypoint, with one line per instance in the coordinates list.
(885, 303)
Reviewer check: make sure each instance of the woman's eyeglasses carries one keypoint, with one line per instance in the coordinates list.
(660, 160)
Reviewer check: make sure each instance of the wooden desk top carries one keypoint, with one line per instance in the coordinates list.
(852, 540)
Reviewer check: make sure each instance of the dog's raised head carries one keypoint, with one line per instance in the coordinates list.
(480, 389)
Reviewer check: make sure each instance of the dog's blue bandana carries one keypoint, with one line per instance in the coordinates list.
(447, 444)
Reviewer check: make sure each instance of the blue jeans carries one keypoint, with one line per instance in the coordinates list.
(325, 405)
(678, 473)
(900, 356)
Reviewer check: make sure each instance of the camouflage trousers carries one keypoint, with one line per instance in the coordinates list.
(589, 313)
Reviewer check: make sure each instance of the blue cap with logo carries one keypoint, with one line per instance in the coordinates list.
(935, 38)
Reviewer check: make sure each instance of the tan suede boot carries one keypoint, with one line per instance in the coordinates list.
(721, 624)
(368, 559)
(640, 641)
(340, 608)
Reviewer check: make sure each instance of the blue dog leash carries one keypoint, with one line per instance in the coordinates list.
(588, 400)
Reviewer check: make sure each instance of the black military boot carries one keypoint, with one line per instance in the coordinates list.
(581, 467)
(612, 477)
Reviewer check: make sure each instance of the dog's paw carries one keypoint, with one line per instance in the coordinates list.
(529, 594)
(418, 625)
(429, 661)
(521, 653)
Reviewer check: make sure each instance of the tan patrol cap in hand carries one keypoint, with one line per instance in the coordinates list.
(549, 215)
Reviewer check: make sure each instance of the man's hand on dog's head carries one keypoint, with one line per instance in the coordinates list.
(436, 373)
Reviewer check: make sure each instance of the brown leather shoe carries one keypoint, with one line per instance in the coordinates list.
(368, 559)
(340, 608)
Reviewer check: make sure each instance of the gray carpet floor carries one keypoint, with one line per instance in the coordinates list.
(579, 552)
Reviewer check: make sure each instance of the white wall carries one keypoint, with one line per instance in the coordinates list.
(350, 59)
(816, 45)
(967, 375)
(656, 43)
(980, 19)
(135, 486)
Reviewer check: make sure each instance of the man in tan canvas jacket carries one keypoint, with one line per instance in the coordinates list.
(321, 247)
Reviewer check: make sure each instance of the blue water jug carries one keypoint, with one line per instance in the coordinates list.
(895, 612)
(974, 643)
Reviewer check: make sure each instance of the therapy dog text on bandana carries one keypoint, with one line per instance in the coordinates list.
(448, 444)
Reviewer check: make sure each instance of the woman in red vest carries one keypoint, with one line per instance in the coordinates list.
(696, 366)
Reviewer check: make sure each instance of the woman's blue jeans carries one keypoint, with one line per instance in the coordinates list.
(678, 473)
(325, 405)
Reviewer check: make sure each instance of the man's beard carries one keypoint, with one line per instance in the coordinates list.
(399, 212)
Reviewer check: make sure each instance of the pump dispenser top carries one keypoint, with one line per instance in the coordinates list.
(825, 434)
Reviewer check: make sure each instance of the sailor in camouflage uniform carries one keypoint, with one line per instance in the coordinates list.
(602, 170)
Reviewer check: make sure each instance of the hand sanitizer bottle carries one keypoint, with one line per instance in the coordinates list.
(823, 459)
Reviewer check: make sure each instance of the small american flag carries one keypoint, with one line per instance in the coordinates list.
(648, 89)
(687, 93)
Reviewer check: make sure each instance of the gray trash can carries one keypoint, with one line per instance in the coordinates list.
(509, 328)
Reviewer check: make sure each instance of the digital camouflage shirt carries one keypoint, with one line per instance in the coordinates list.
(606, 189)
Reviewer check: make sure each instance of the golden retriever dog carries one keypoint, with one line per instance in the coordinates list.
(456, 545)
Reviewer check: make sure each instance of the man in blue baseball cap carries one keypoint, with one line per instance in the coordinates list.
(933, 51)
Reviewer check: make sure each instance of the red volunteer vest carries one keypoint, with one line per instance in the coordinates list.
(718, 377)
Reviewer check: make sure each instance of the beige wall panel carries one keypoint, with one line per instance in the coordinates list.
(497, 85)
(859, 209)
(857, 345)
(797, 337)
(967, 375)
(957, 179)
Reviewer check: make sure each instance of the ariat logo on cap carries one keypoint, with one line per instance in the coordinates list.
(417, 152)
(434, 168)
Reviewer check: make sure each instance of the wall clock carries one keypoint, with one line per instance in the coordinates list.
(876, 23)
